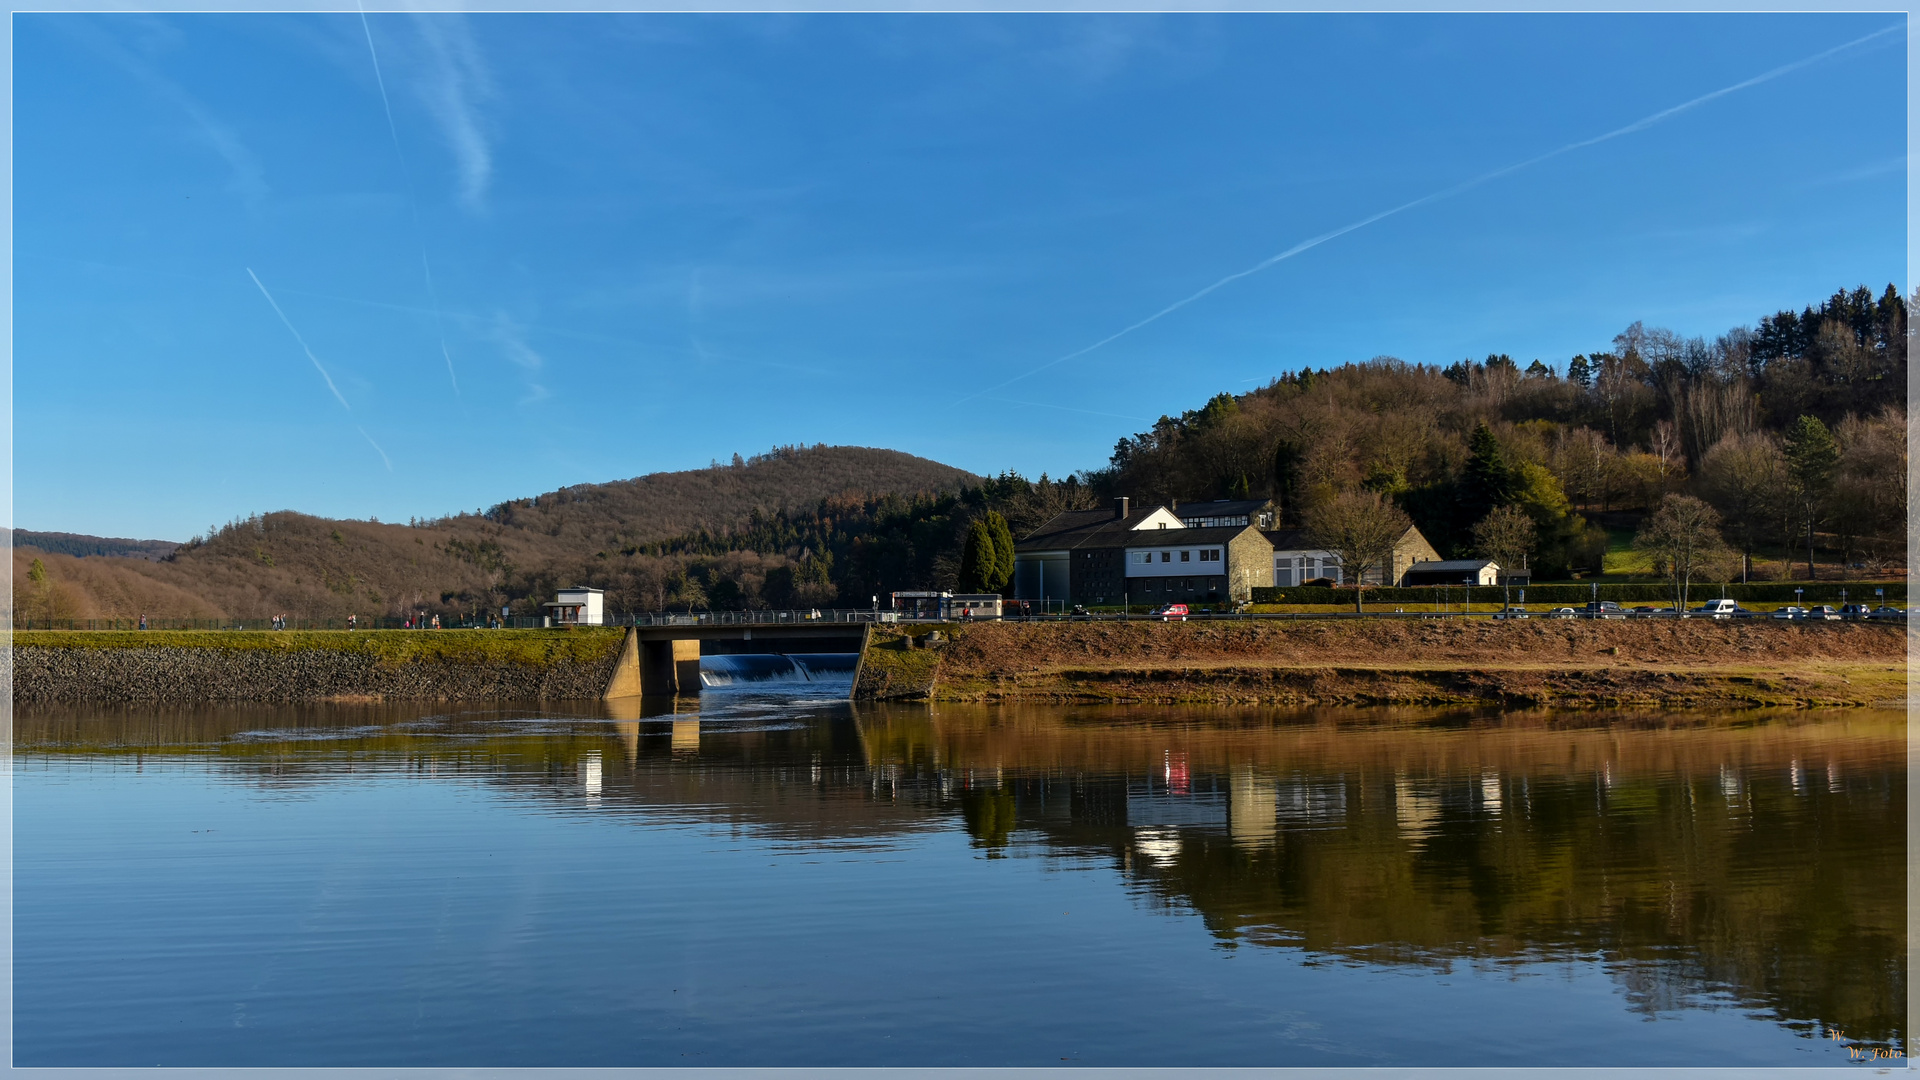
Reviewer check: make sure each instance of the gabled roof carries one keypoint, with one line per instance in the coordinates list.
(1296, 539)
(1289, 540)
(1172, 538)
(1450, 565)
(1222, 508)
(1078, 530)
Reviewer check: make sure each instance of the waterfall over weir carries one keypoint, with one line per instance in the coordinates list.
(772, 669)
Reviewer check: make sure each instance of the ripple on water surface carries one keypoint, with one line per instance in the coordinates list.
(766, 875)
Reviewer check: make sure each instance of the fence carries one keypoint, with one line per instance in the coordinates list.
(1435, 602)
(1657, 592)
(384, 622)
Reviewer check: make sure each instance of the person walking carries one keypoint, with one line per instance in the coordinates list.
(143, 620)
(351, 623)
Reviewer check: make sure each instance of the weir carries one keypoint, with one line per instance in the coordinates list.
(664, 661)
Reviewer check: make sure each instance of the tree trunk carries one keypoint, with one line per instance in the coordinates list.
(1810, 570)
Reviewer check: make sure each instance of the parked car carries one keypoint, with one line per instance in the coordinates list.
(1563, 613)
(1856, 611)
(1722, 609)
(1824, 611)
(1511, 612)
(1603, 609)
(1790, 612)
(1170, 613)
(1884, 612)
(1649, 609)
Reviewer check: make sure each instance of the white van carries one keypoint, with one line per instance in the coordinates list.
(1721, 609)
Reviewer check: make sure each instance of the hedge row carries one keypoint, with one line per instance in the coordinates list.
(1643, 593)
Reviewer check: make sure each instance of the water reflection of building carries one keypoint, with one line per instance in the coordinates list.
(1690, 860)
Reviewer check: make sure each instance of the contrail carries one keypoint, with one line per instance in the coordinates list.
(376, 446)
(303, 342)
(1465, 185)
(413, 205)
(1064, 408)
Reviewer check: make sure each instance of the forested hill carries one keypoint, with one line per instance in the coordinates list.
(79, 544)
(1789, 434)
(623, 513)
(1794, 426)
(515, 553)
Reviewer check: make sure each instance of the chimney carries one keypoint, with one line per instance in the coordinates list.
(1120, 508)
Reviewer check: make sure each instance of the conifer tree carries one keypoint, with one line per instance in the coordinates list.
(1002, 537)
(1811, 457)
(979, 558)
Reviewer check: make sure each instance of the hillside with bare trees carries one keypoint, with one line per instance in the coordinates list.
(514, 554)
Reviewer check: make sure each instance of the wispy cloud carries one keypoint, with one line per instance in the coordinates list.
(512, 339)
(1466, 185)
(413, 204)
(317, 365)
(455, 87)
(248, 178)
(1869, 171)
(1067, 408)
(376, 447)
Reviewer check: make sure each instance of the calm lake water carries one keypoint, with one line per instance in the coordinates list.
(770, 876)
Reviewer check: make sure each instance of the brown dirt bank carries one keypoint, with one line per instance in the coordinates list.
(1690, 663)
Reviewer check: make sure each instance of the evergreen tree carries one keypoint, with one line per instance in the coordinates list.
(979, 558)
(1486, 482)
(1811, 458)
(1002, 537)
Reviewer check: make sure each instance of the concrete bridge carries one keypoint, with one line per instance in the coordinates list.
(663, 660)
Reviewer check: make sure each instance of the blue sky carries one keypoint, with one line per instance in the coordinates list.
(590, 247)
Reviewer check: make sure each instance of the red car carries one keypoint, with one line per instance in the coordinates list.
(1170, 613)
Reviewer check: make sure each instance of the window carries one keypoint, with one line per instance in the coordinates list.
(1166, 556)
(1186, 556)
(1210, 555)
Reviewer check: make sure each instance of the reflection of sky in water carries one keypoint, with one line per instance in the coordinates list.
(764, 876)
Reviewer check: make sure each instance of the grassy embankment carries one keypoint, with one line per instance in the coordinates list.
(1691, 664)
(528, 648)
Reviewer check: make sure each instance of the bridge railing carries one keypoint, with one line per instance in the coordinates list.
(798, 617)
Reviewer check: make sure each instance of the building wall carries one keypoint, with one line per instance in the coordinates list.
(1249, 564)
(1173, 559)
(1158, 590)
(1041, 575)
(1296, 567)
(1411, 549)
(1098, 576)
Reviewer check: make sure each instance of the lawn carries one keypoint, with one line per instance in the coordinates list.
(1621, 559)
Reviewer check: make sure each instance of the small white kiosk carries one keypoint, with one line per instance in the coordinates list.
(577, 606)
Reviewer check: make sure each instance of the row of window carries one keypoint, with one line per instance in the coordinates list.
(1143, 557)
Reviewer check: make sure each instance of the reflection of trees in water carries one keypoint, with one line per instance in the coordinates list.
(989, 814)
(1756, 866)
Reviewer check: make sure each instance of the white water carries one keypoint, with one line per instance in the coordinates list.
(760, 670)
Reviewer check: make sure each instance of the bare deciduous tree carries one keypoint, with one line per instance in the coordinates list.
(1744, 477)
(1507, 536)
(1361, 527)
(1684, 536)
